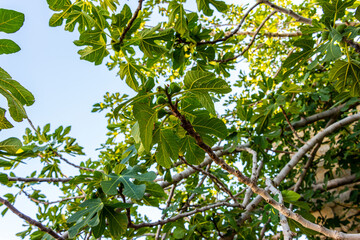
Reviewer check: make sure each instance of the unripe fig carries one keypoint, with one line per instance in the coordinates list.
(161, 100)
(161, 113)
(341, 28)
(174, 88)
(325, 35)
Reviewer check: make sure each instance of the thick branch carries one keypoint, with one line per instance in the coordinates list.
(295, 159)
(30, 220)
(316, 117)
(283, 221)
(334, 183)
(289, 12)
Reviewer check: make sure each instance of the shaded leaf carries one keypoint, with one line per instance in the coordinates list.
(88, 216)
(205, 81)
(146, 118)
(346, 76)
(203, 124)
(178, 15)
(193, 153)
(168, 147)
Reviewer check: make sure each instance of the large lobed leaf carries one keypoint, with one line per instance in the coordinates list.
(88, 216)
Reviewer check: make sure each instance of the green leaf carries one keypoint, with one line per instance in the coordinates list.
(130, 189)
(203, 124)
(193, 153)
(335, 7)
(205, 99)
(10, 20)
(168, 147)
(81, 18)
(346, 76)
(8, 46)
(357, 13)
(147, 42)
(4, 123)
(117, 221)
(88, 216)
(11, 145)
(57, 5)
(4, 178)
(16, 90)
(205, 52)
(297, 59)
(178, 15)
(95, 53)
(205, 81)
(57, 19)
(16, 109)
(128, 71)
(155, 190)
(99, 229)
(146, 118)
(290, 196)
(4, 163)
(203, 5)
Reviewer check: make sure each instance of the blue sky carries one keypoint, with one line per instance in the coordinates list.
(65, 88)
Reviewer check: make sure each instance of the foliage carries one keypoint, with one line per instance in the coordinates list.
(202, 138)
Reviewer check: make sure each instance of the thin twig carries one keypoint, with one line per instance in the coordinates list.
(216, 181)
(74, 165)
(53, 202)
(30, 220)
(21, 179)
(180, 216)
(291, 127)
(235, 30)
(168, 202)
(251, 41)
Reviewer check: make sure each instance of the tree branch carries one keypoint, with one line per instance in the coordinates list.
(30, 220)
(21, 179)
(216, 181)
(179, 216)
(289, 12)
(334, 183)
(272, 34)
(288, 235)
(295, 159)
(252, 40)
(235, 30)
(122, 37)
(74, 165)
